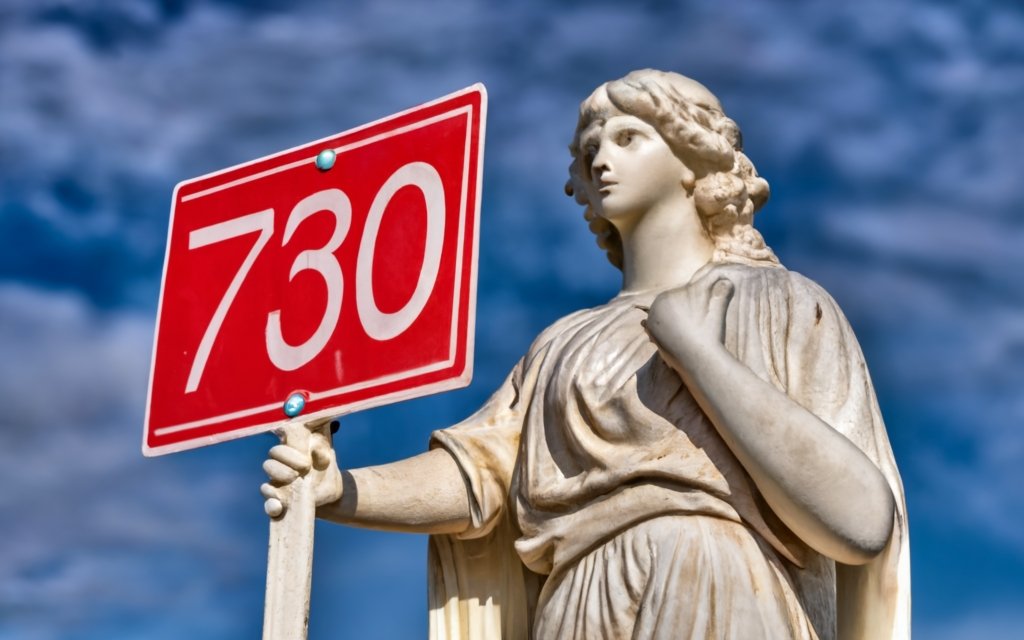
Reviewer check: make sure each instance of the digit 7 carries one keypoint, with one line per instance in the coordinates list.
(262, 221)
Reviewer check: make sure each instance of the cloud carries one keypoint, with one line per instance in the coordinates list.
(112, 103)
(889, 132)
(93, 533)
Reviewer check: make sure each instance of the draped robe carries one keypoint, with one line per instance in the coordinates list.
(592, 434)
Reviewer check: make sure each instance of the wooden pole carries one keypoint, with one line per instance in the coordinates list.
(290, 556)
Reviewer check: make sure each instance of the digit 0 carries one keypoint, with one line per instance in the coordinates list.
(385, 326)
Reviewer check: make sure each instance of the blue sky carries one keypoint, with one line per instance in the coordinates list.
(889, 131)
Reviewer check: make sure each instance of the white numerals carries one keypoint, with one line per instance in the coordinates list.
(262, 221)
(385, 326)
(290, 357)
(377, 324)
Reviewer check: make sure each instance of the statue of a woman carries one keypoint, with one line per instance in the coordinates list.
(701, 457)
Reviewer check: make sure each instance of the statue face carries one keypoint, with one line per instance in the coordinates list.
(631, 169)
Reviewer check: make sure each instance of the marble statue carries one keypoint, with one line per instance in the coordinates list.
(701, 457)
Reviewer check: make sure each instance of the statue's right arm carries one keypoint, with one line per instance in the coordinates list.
(422, 494)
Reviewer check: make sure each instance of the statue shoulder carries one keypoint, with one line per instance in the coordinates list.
(806, 302)
(752, 279)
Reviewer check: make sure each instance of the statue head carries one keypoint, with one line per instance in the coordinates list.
(725, 187)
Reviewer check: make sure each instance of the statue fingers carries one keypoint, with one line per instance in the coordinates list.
(270, 492)
(723, 288)
(279, 473)
(323, 455)
(321, 449)
(273, 503)
(721, 292)
(291, 457)
(720, 297)
(273, 508)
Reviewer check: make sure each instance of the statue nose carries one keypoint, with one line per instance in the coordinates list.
(600, 163)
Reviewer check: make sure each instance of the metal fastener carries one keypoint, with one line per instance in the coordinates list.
(325, 159)
(295, 403)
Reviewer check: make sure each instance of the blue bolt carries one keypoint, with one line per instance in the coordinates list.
(325, 159)
(294, 405)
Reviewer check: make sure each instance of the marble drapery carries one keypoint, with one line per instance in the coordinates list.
(593, 435)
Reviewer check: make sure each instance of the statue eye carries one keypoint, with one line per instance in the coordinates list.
(626, 137)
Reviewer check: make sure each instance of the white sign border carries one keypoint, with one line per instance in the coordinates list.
(405, 394)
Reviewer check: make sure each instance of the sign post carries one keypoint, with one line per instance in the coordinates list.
(335, 276)
(290, 554)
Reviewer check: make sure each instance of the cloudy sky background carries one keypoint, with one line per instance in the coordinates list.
(891, 133)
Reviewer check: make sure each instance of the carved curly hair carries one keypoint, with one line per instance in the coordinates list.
(727, 190)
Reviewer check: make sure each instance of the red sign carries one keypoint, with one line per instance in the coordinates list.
(343, 270)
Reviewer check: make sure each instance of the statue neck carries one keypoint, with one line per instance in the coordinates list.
(664, 247)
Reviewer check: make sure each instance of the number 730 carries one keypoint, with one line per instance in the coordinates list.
(377, 324)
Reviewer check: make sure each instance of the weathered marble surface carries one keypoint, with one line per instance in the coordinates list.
(703, 456)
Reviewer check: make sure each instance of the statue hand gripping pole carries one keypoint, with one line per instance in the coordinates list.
(303, 473)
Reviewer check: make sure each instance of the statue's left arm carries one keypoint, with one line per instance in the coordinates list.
(818, 482)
